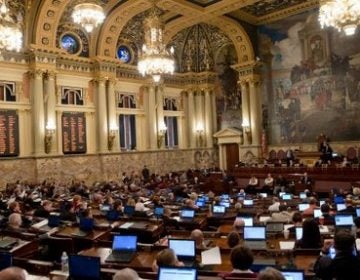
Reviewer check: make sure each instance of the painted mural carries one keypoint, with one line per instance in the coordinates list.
(312, 80)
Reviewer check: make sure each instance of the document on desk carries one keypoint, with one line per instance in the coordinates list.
(40, 224)
(211, 256)
(287, 245)
(126, 225)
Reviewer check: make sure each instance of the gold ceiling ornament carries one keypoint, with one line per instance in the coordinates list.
(155, 59)
(11, 36)
(344, 15)
(88, 15)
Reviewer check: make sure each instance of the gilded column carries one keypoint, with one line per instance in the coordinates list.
(208, 119)
(245, 110)
(151, 111)
(183, 127)
(50, 108)
(38, 117)
(191, 121)
(102, 123)
(255, 111)
(113, 125)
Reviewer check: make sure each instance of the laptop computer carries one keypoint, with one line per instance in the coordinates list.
(286, 196)
(248, 221)
(293, 274)
(171, 273)
(339, 199)
(84, 267)
(344, 220)
(317, 213)
(5, 260)
(86, 225)
(129, 210)
(274, 227)
(105, 207)
(123, 249)
(248, 203)
(7, 243)
(184, 249)
(219, 210)
(303, 206)
(340, 206)
(298, 233)
(187, 214)
(358, 211)
(263, 195)
(200, 203)
(255, 237)
(302, 195)
(225, 203)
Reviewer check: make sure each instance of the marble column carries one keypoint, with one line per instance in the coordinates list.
(191, 121)
(50, 107)
(151, 117)
(255, 111)
(160, 115)
(183, 126)
(113, 124)
(208, 119)
(245, 112)
(38, 117)
(102, 123)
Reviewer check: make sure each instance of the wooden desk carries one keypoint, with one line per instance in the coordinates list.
(199, 222)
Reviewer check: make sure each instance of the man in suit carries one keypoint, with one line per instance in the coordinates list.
(307, 181)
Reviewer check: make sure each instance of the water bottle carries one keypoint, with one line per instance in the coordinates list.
(64, 262)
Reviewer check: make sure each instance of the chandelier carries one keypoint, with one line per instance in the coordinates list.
(88, 15)
(341, 14)
(10, 32)
(154, 59)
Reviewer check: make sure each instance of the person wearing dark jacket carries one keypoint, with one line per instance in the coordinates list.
(345, 265)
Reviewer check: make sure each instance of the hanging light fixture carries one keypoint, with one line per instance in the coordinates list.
(344, 15)
(88, 15)
(10, 32)
(154, 59)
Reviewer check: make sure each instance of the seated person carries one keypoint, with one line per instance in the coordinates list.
(270, 273)
(126, 274)
(166, 257)
(326, 218)
(252, 185)
(282, 216)
(344, 265)
(350, 209)
(198, 236)
(233, 239)
(297, 222)
(357, 227)
(190, 204)
(268, 184)
(311, 238)
(312, 206)
(280, 184)
(274, 207)
(241, 258)
(238, 225)
(44, 210)
(67, 213)
(13, 273)
(15, 222)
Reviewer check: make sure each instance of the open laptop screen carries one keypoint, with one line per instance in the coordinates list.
(317, 213)
(182, 247)
(302, 195)
(219, 209)
(159, 211)
(225, 203)
(187, 213)
(287, 196)
(84, 267)
(303, 206)
(293, 274)
(171, 273)
(340, 206)
(124, 242)
(248, 202)
(344, 220)
(358, 211)
(298, 233)
(254, 233)
(248, 221)
(200, 203)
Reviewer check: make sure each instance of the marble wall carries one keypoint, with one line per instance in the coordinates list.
(91, 168)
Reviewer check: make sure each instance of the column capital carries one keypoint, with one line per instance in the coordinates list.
(50, 75)
(36, 73)
(112, 82)
(100, 80)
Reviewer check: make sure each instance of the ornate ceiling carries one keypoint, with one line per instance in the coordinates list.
(123, 23)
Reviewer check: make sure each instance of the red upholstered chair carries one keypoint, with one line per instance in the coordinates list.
(281, 155)
(351, 153)
(272, 155)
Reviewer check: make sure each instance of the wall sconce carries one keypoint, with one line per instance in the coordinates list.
(113, 130)
(161, 134)
(246, 128)
(200, 134)
(49, 133)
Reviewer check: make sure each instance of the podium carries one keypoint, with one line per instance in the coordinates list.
(308, 158)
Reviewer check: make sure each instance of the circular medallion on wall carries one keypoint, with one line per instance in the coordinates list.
(71, 43)
(124, 54)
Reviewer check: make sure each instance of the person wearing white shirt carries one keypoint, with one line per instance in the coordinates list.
(275, 206)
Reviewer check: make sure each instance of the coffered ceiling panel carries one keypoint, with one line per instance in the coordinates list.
(204, 3)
